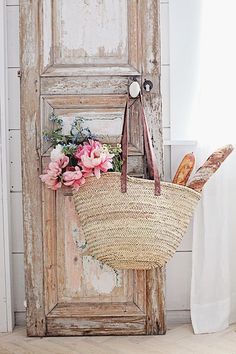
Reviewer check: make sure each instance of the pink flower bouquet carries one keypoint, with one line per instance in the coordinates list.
(72, 163)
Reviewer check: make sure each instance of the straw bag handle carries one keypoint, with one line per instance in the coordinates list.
(151, 160)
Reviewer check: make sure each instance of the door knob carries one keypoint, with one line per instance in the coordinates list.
(147, 85)
(134, 89)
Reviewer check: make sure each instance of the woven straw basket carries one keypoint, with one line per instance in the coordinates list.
(136, 229)
(132, 223)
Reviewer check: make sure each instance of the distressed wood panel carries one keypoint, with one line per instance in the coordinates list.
(91, 319)
(80, 277)
(139, 297)
(31, 166)
(153, 107)
(47, 34)
(156, 323)
(97, 35)
(57, 273)
(103, 37)
(97, 310)
(116, 326)
(77, 70)
(156, 311)
(50, 244)
(135, 130)
(150, 24)
(102, 101)
(78, 86)
(102, 114)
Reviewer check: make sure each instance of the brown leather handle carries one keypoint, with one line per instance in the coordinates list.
(151, 160)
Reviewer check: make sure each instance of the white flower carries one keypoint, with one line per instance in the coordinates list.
(57, 154)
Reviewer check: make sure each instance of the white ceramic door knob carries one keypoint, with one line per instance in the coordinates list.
(134, 89)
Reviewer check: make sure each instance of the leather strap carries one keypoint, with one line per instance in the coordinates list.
(151, 160)
(124, 147)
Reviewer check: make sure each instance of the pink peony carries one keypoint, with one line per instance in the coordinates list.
(73, 178)
(87, 148)
(52, 177)
(51, 182)
(94, 159)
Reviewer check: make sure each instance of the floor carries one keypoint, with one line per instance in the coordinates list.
(179, 340)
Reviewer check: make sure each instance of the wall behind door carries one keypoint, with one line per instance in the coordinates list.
(179, 269)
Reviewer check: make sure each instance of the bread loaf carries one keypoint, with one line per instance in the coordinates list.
(211, 165)
(184, 170)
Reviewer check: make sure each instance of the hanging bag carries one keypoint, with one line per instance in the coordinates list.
(134, 223)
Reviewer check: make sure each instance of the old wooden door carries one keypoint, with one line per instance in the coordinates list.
(77, 58)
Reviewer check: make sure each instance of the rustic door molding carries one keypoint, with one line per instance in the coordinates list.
(86, 78)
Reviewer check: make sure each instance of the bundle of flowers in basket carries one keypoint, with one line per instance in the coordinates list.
(128, 223)
(76, 156)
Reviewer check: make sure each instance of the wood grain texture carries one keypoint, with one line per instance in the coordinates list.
(82, 279)
(89, 309)
(156, 312)
(50, 244)
(92, 319)
(103, 38)
(80, 85)
(31, 166)
(61, 281)
(117, 326)
(155, 291)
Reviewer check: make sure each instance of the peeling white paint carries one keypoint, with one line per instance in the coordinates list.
(104, 125)
(103, 28)
(47, 31)
(103, 278)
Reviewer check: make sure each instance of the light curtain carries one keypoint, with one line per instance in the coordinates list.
(208, 91)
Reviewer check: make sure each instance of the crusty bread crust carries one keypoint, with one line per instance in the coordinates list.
(184, 170)
(211, 165)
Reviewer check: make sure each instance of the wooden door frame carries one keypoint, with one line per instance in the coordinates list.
(31, 165)
(6, 306)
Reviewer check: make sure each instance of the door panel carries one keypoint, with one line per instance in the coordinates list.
(78, 58)
(75, 46)
(82, 278)
(90, 37)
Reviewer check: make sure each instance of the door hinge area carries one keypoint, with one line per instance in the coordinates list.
(19, 73)
(25, 304)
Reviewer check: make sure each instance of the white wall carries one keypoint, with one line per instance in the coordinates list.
(179, 269)
(15, 158)
(6, 318)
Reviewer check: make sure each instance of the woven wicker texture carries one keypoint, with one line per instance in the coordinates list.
(133, 230)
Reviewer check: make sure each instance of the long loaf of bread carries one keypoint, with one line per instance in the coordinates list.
(211, 165)
(184, 170)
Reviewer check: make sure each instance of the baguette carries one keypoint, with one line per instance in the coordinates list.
(211, 165)
(184, 170)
